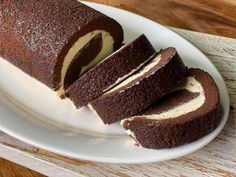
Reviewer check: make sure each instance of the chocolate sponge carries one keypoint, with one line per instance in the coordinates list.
(111, 71)
(188, 113)
(137, 92)
(37, 35)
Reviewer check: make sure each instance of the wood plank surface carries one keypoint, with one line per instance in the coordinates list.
(215, 17)
(10, 169)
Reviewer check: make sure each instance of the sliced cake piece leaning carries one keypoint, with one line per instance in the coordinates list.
(111, 71)
(183, 116)
(136, 93)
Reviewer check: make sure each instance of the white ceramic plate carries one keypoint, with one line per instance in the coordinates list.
(77, 133)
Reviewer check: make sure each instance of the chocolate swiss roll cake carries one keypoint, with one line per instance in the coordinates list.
(186, 114)
(137, 92)
(112, 70)
(55, 41)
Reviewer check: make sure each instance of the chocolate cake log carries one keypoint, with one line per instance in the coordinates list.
(143, 88)
(185, 115)
(45, 38)
(111, 71)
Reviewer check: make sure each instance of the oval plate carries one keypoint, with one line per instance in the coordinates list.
(33, 113)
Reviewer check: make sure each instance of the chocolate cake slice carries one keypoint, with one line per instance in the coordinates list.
(143, 88)
(111, 71)
(56, 41)
(185, 115)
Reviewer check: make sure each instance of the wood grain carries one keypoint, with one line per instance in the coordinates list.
(215, 17)
(218, 158)
(9, 169)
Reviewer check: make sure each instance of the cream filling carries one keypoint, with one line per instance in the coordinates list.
(129, 74)
(93, 110)
(145, 69)
(192, 85)
(107, 48)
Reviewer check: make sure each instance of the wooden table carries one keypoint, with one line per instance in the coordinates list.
(219, 157)
(215, 16)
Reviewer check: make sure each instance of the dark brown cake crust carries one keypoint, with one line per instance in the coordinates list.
(95, 82)
(169, 133)
(36, 35)
(133, 98)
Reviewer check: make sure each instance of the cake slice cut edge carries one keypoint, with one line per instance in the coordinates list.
(111, 71)
(188, 113)
(154, 80)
